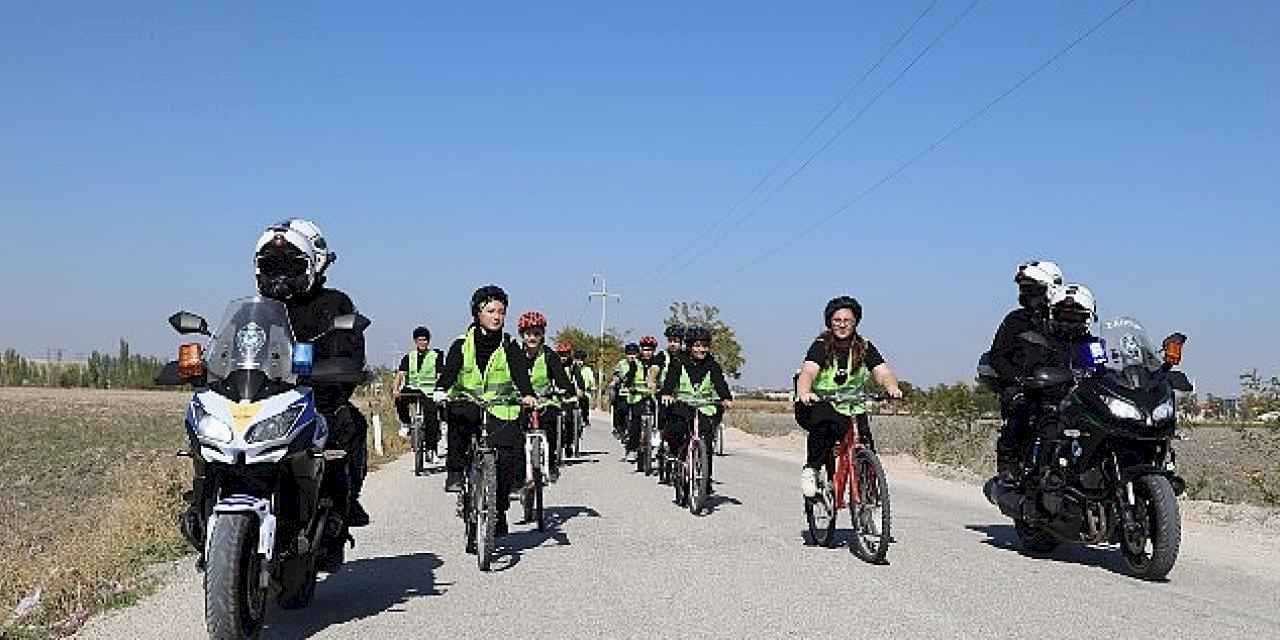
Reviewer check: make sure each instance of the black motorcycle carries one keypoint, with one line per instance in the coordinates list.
(1099, 464)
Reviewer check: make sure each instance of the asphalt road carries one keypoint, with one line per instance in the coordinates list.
(620, 560)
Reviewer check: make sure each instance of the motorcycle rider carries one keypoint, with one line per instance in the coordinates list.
(839, 360)
(588, 376)
(415, 382)
(695, 374)
(1012, 357)
(548, 378)
(486, 362)
(290, 261)
(639, 390)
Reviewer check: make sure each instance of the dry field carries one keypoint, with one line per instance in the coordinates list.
(89, 492)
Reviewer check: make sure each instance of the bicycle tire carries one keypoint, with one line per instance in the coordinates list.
(538, 513)
(820, 512)
(419, 449)
(486, 511)
(720, 438)
(698, 479)
(870, 511)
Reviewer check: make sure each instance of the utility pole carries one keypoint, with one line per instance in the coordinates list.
(604, 295)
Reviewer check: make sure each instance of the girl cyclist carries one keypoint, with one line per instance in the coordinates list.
(838, 362)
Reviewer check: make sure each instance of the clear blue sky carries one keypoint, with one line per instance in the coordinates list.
(444, 145)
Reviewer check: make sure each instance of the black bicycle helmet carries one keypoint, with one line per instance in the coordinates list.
(631, 349)
(697, 333)
(486, 294)
(674, 331)
(842, 302)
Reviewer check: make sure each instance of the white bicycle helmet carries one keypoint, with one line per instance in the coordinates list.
(1073, 304)
(284, 262)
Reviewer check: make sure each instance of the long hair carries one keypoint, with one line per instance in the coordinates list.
(833, 346)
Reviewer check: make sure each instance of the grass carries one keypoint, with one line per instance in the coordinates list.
(90, 491)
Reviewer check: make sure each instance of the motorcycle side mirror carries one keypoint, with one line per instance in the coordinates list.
(1172, 346)
(350, 322)
(185, 322)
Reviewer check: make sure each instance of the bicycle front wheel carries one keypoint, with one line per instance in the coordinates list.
(870, 509)
(486, 510)
(419, 450)
(698, 480)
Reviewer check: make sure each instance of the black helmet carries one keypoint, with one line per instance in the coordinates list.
(674, 331)
(580, 354)
(697, 333)
(421, 332)
(631, 348)
(485, 295)
(842, 302)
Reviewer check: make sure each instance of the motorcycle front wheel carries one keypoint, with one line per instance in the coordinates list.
(234, 598)
(1151, 548)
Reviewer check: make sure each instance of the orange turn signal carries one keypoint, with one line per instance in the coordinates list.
(1173, 352)
(190, 362)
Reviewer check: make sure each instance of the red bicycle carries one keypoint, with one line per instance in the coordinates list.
(857, 481)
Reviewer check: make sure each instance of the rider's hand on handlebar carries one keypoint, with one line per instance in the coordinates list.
(666, 400)
(808, 398)
(894, 393)
(727, 404)
(529, 401)
(439, 396)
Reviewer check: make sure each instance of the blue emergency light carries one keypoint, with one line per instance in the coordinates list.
(303, 357)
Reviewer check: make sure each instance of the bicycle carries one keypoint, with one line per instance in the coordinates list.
(478, 500)
(536, 459)
(689, 474)
(857, 481)
(650, 437)
(422, 456)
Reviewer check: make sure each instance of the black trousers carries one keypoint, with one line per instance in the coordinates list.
(507, 437)
(635, 422)
(349, 431)
(1015, 414)
(620, 412)
(585, 405)
(430, 416)
(826, 427)
(677, 427)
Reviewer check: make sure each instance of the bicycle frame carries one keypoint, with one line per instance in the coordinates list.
(844, 476)
(535, 441)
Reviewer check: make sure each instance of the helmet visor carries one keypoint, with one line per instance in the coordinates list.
(281, 264)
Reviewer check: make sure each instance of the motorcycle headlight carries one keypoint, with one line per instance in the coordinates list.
(1123, 409)
(1163, 412)
(275, 427)
(210, 427)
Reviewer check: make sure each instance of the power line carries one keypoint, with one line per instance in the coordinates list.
(796, 147)
(936, 143)
(831, 140)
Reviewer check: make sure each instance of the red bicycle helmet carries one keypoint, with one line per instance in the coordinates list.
(531, 320)
(564, 347)
(648, 342)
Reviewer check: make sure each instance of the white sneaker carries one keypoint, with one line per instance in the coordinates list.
(808, 482)
(631, 456)
(404, 431)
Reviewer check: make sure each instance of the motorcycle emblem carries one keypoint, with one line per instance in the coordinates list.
(249, 342)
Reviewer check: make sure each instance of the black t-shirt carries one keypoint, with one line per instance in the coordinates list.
(818, 353)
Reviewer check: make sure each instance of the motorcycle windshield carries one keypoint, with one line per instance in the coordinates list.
(254, 335)
(1128, 349)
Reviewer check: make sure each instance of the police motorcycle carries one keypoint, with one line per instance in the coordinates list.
(1099, 466)
(273, 498)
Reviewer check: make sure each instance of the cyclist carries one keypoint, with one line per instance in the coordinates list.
(694, 375)
(1013, 358)
(571, 402)
(617, 389)
(674, 334)
(486, 362)
(588, 384)
(548, 378)
(415, 381)
(839, 361)
(636, 382)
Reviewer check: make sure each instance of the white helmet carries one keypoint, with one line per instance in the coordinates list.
(323, 256)
(284, 262)
(1073, 304)
(1043, 272)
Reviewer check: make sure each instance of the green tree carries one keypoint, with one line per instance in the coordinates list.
(602, 355)
(724, 342)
